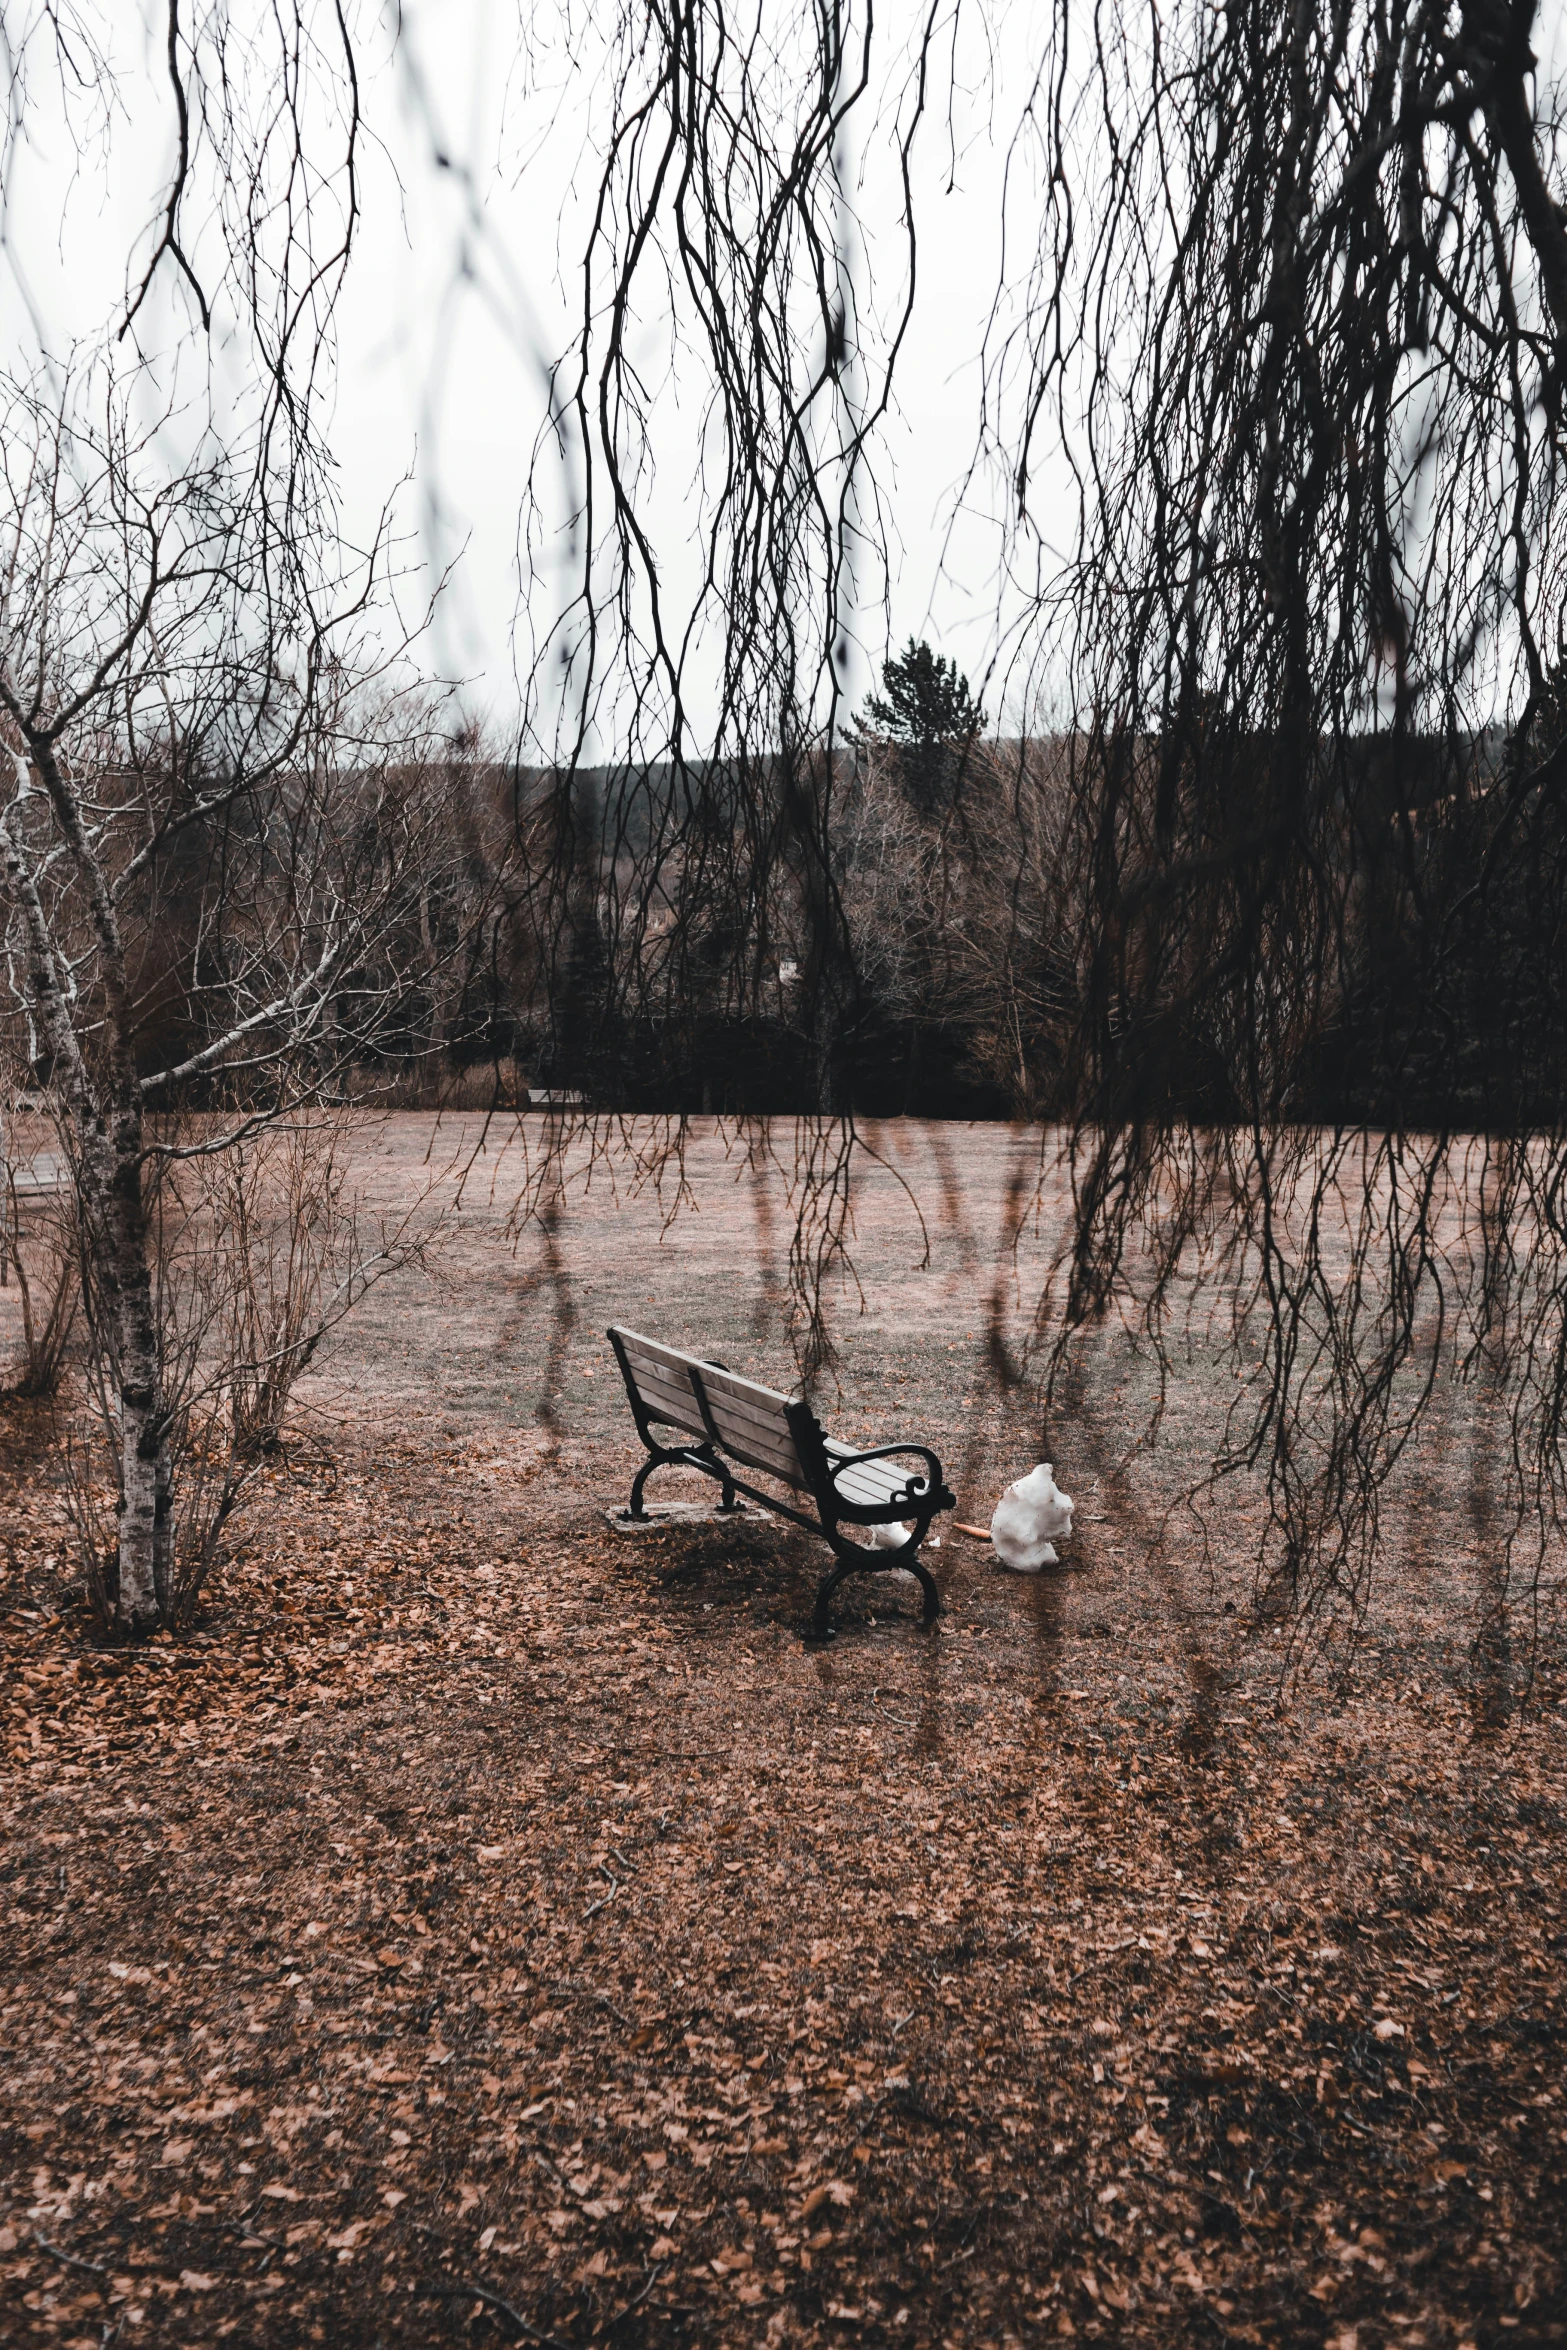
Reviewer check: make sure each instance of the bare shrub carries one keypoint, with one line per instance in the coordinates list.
(38, 1244)
(46, 1267)
(261, 1248)
(38, 1236)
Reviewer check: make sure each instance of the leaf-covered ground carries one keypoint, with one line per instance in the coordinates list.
(487, 1927)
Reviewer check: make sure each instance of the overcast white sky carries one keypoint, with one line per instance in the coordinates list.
(459, 281)
(437, 360)
(462, 280)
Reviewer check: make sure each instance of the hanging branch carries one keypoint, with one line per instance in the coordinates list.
(1296, 323)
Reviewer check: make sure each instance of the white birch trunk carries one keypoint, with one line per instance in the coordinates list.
(144, 1478)
(106, 1112)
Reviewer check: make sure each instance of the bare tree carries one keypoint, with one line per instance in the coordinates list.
(1295, 310)
(205, 839)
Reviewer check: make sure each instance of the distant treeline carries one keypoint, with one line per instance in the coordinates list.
(672, 938)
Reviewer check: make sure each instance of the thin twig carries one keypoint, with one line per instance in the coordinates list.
(472, 2291)
(69, 2258)
(594, 1907)
(636, 2301)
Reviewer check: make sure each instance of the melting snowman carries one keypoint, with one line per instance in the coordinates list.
(1028, 1516)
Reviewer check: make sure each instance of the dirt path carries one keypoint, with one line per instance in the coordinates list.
(488, 1927)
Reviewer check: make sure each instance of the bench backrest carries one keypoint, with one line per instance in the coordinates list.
(751, 1423)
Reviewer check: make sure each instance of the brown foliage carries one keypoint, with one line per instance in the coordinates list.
(484, 1914)
(439, 1930)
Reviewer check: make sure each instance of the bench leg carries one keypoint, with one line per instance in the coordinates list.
(635, 1509)
(927, 1581)
(728, 1503)
(821, 1620)
(870, 1563)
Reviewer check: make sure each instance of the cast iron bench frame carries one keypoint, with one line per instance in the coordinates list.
(735, 1421)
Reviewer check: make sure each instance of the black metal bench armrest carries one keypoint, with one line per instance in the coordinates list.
(839, 1461)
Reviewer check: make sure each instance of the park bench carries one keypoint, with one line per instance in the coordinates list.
(735, 1424)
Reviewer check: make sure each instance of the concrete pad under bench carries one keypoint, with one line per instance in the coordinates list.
(663, 1514)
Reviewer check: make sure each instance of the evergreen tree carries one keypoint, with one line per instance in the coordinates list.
(929, 712)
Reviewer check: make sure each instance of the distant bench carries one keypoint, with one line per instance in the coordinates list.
(734, 1421)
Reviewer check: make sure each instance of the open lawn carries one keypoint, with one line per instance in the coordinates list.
(487, 1927)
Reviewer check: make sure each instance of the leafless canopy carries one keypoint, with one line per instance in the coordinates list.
(1298, 317)
(685, 742)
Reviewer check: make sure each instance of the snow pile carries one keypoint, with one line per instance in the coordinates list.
(1027, 1516)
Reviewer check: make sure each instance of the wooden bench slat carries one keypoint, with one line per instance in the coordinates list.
(869, 1482)
(730, 1411)
(752, 1421)
(744, 1391)
(775, 1464)
(770, 1447)
(670, 1358)
(738, 1429)
(865, 1489)
(662, 1387)
(894, 1470)
(759, 1446)
(661, 1379)
(865, 1496)
(685, 1418)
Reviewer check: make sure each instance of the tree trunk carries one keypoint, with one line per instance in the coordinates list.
(137, 1609)
(119, 1246)
(105, 1107)
(145, 1496)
